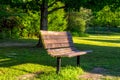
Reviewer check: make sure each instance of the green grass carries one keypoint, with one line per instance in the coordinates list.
(18, 61)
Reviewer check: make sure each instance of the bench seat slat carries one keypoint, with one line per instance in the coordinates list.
(54, 32)
(62, 50)
(66, 52)
(49, 36)
(71, 54)
(59, 45)
(57, 41)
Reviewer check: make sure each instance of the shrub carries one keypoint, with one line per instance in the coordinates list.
(78, 21)
(29, 24)
(107, 18)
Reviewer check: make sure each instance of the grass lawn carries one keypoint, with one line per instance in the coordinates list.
(24, 62)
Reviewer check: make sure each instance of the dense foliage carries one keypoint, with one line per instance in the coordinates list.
(57, 20)
(26, 22)
(21, 18)
(106, 20)
(107, 17)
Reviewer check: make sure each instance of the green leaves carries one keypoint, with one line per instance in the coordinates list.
(77, 21)
(106, 17)
(57, 20)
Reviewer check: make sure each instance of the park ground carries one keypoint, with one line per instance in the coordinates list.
(21, 60)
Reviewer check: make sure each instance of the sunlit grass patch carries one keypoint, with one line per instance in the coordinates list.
(67, 73)
(110, 41)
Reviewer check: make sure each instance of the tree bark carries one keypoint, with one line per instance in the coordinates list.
(43, 20)
(44, 16)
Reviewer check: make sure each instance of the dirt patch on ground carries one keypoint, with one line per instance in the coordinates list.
(9, 44)
(96, 74)
(29, 76)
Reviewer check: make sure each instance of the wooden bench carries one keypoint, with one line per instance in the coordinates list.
(60, 44)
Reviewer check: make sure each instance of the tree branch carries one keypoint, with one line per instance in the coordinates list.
(55, 9)
(53, 3)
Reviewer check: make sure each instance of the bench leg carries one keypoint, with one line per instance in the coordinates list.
(78, 60)
(58, 64)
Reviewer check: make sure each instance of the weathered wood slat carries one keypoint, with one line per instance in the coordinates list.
(54, 32)
(66, 52)
(60, 50)
(57, 45)
(57, 41)
(56, 36)
(69, 54)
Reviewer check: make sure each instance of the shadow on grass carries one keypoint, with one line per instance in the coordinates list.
(102, 56)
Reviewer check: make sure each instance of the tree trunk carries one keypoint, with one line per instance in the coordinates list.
(43, 20)
(44, 16)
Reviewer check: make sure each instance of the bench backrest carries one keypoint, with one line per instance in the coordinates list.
(54, 39)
